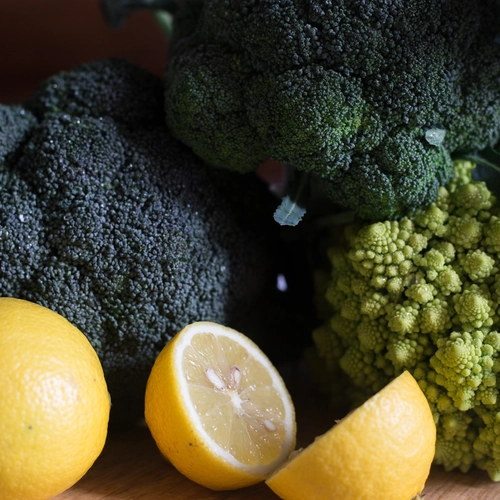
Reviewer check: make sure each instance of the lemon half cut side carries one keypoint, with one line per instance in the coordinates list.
(218, 409)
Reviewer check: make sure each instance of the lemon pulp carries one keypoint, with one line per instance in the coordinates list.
(233, 394)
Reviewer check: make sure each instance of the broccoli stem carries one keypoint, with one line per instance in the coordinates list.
(117, 11)
(487, 167)
(488, 157)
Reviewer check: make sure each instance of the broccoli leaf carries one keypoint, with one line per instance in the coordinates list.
(292, 207)
(435, 136)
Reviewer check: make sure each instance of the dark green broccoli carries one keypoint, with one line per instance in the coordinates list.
(109, 221)
(329, 86)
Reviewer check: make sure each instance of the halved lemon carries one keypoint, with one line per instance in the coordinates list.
(383, 449)
(218, 409)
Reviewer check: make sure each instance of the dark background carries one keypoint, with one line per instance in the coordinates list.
(41, 37)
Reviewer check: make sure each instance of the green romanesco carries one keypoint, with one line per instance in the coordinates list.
(422, 294)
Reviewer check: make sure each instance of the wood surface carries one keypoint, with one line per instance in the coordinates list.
(131, 468)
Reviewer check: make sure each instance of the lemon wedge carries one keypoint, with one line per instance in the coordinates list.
(384, 449)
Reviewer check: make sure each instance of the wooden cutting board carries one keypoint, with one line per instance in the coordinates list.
(131, 467)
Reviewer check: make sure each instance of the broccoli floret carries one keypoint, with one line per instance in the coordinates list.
(408, 176)
(112, 223)
(372, 98)
(15, 123)
(421, 294)
(103, 90)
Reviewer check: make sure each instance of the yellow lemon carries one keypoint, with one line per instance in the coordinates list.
(54, 403)
(218, 409)
(383, 449)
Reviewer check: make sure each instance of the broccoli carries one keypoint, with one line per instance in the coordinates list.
(112, 223)
(372, 98)
(421, 294)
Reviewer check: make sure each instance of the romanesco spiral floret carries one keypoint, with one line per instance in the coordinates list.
(350, 309)
(474, 200)
(373, 304)
(428, 292)
(438, 399)
(343, 327)
(359, 286)
(446, 280)
(454, 441)
(462, 175)
(421, 292)
(466, 368)
(432, 261)
(486, 444)
(443, 199)
(478, 265)
(334, 295)
(435, 316)
(364, 366)
(491, 239)
(464, 232)
(385, 250)
(445, 248)
(403, 318)
(474, 308)
(432, 219)
(406, 351)
(372, 334)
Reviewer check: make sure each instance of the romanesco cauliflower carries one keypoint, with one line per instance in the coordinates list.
(422, 294)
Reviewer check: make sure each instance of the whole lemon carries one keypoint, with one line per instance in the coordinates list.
(54, 402)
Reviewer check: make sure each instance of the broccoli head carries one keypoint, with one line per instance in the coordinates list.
(112, 223)
(352, 92)
(421, 294)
